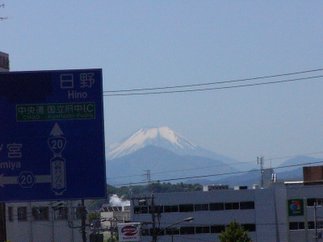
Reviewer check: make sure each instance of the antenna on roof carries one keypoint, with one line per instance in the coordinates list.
(260, 161)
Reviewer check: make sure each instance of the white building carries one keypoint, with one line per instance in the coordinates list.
(283, 212)
(44, 222)
(112, 213)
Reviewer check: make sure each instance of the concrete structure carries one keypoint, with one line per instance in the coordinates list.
(283, 212)
(110, 217)
(4, 61)
(44, 221)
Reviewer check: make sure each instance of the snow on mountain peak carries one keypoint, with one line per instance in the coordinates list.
(162, 137)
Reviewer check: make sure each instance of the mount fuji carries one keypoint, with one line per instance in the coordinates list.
(161, 154)
(162, 137)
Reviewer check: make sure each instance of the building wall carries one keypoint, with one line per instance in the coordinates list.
(309, 194)
(43, 221)
(212, 218)
(268, 221)
(4, 61)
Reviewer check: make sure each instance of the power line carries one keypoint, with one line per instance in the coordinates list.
(214, 83)
(221, 174)
(197, 87)
(213, 88)
(208, 167)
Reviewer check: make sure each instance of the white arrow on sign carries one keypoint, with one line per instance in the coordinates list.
(25, 179)
(56, 131)
(6, 180)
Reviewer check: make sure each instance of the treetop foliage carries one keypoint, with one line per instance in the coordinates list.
(234, 232)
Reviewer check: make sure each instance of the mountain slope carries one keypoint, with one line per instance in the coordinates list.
(170, 157)
(163, 164)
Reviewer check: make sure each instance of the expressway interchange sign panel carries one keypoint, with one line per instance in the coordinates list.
(51, 135)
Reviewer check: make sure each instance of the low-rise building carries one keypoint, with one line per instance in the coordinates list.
(44, 221)
(111, 215)
(282, 212)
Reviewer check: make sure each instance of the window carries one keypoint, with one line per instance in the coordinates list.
(10, 213)
(251, 227)
(216, 206)
(217, 229)
(139, 209)
(187, 230)
(229, 206)
(172, 231)
(311, 225)
(142, 202)
(296, 225)
(202, 230)
(22, 213)
(158, 209)
(40, 213)
(79, 212)
(201, 207)
(186, 208)
(311, 201)
(247, 205)
(170, 208)
(157, 231)
(61, 213)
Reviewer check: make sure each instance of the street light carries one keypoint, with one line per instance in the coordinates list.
(188, 219)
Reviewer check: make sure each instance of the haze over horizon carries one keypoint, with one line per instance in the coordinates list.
(167, 44)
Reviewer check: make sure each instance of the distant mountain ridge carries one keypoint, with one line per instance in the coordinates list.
(162, 164)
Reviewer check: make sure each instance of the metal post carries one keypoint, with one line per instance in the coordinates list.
(3, 222)
(53, 226)
(315, 222)
(83, 221)
(3, 230)
(153, 216)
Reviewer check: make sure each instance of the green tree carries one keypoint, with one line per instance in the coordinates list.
(234, 232)
(93, 216)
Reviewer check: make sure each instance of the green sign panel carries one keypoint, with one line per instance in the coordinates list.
(55, 111)
(295, 207)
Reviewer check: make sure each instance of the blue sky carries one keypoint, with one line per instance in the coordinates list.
(165, 43)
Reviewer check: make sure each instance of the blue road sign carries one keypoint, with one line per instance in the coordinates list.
(51, 135)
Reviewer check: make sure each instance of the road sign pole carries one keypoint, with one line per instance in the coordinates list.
(3, 229)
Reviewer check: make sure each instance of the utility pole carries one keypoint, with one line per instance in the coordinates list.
(80, 214)
(83, 221)
(315, 222)
(147, 205)
(153, 218)
(147, 174)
